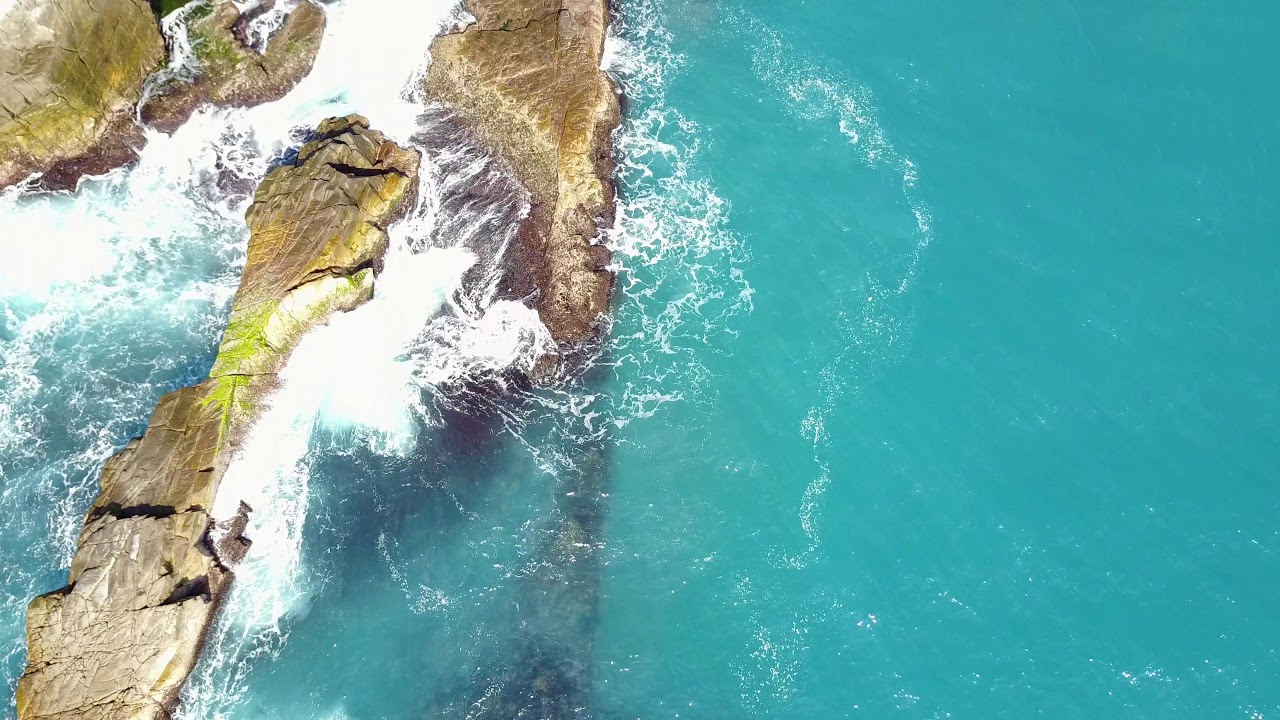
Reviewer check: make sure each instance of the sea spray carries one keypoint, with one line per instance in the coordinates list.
(682, 268)
(368, 64)
(370, 376)
(109, 262)
(362, 367)
(352, 375)
(182, 65)
(145, 258)
(469, 199)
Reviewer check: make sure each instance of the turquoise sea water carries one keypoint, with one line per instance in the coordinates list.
(942, 386)
(1030, 481)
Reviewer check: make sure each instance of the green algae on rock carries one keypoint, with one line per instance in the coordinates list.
(526, 78)
(120, 639)
(232, 74)
(71, 73)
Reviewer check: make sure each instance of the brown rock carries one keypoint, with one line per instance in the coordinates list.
(146, 580)
(526, 78)
(114, 643)
(231, 73)
(71, 72)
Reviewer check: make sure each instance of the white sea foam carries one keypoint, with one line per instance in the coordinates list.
(109, 297)
(366, 372)
(352, 374)
(348, 77)
(151, 251)
(684, 276)
(182, 65)
(681, 270)
(819, 94)
(109, 259)
(872, 316)
(361, 362)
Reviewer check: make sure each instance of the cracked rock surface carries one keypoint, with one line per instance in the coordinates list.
(231, 73)
(526, 78)
(151, 568)
(71, 72)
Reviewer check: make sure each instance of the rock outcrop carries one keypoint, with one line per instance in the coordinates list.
(71, 73)
(231, 73)
(525, 78)
(120, 639)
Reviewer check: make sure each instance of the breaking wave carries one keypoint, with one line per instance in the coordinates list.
(109, 299)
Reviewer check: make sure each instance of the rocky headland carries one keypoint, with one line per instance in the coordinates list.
(525, 78)
(152, 565)
(120, 639)
(73, 71)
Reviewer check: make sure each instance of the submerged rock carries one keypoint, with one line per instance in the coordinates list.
(551, 674)
(121, 638)
(231, 73)
(71, 73)
(526, 78)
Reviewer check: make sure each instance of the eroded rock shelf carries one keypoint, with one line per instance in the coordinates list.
(526, 78)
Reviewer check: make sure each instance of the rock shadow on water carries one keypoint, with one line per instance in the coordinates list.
(413, 559)
(544, 668)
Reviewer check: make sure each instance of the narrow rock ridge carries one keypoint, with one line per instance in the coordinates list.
(120, 639)
(525, 78)
(73, 71)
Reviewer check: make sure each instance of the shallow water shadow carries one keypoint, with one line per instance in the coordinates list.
(546, 670)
